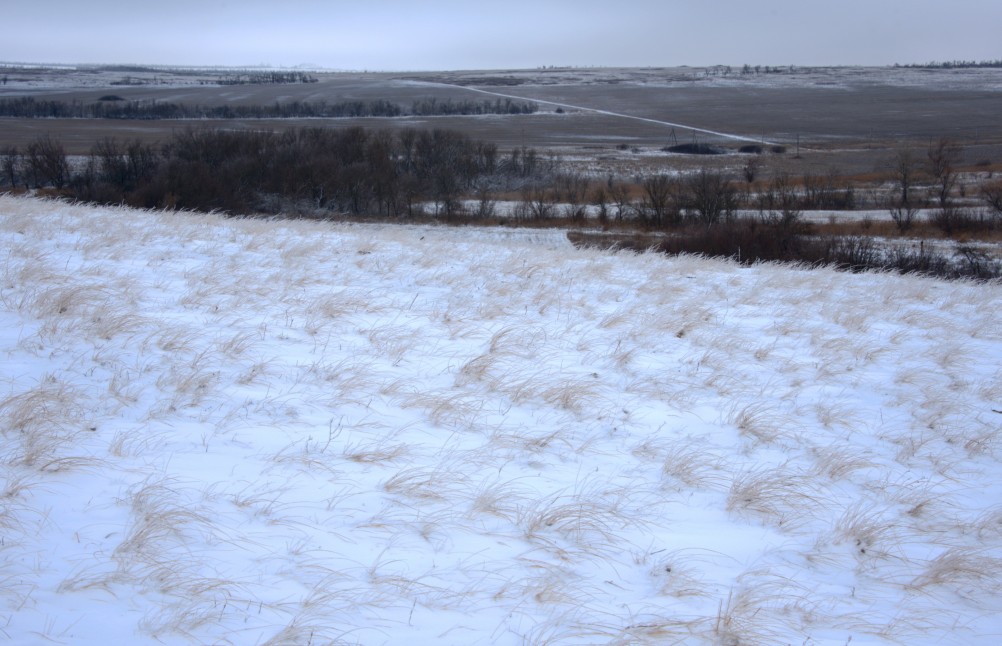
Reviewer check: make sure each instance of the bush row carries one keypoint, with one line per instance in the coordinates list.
(317, 170)
(377, 172)
(748, 241)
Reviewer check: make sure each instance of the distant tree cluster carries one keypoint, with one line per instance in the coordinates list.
(42, 163)
(946, 65)
(315, 170)
(28, 107)
(432, 106)
(263, 78)
(325, 171)
(765, 69)
(256, 78)
(321, 172)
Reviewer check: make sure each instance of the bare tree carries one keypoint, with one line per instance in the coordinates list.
(445, 193)
(711, 196)
(943, 157)
(572, 191)
(992, 194)
(903, 215)
(600, 199)
(659, 206)
(10, 165)
(783, 201)
(751, 168)
(47, 163)
(108, 160)
(827, 192)
(905, 168)
(538, 202)
(123, 167)
(382, 171)
(619, 194)
(486, 204)
(407, 138)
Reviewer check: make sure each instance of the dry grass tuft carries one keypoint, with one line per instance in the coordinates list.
(694, 467)
(590, 519)
(438, 484)
(762, 422)
(837, 463)
(761, 612)
(375, 452)
(161, 518)
(675, 574)
(445, 410)
(970, 573)
(871, 531)
(501, 499)
(43, 422)
(787, 499)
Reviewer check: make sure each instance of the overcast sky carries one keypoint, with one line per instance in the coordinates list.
(473, 34)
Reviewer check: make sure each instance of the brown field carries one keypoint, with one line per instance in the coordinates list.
(848, 119)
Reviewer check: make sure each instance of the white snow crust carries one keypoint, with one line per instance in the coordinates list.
(240, 431)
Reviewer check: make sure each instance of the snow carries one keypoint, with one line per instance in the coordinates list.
(266, 432)
(829, 77)
(851, 78)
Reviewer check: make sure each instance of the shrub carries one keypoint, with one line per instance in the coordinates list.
(748, 241)
(903, 214)
(11, 166)
(710, 197)
(781, 201)
(952, 219)
(992, 195)
(661, 203)
(47, 165)
(694, 149)
(827, 192)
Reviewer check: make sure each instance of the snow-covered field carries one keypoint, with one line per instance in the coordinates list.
(248, 432)
(836, 77)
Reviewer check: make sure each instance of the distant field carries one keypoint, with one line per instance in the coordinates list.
(840, 117)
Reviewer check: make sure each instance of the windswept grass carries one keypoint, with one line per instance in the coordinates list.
(241, 431)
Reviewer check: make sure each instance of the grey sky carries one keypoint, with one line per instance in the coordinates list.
(467, 34)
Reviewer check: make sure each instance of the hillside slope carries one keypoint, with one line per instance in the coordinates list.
(245, 431)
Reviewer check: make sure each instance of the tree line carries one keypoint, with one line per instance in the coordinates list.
(949, 65)
(322, 172)
(263, 78)
(114, 108)
(442, 172)
(308, 170)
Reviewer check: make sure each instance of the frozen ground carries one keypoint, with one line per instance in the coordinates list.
(844, 118)
(987, 79)
(250, 432)
(34, 76)
(21, 75)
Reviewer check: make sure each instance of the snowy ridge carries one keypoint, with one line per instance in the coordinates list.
(273, 432)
